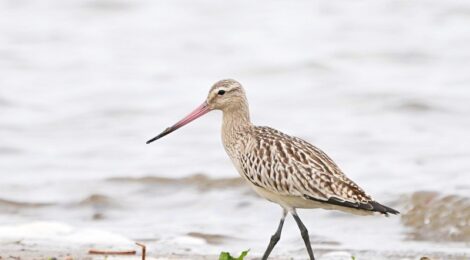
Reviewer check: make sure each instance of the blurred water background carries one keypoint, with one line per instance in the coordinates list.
(381, 86)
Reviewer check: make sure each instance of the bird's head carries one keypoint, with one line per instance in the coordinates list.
(224, 95)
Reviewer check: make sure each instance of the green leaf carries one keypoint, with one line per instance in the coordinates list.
(242, 256)
(227, 256)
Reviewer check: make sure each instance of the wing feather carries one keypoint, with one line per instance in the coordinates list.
(291, 166)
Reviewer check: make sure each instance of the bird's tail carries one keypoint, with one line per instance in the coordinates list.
(377, 207)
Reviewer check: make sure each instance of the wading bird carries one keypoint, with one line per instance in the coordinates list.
(282, 169)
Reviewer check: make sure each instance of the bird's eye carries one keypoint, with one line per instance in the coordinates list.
(221, 92)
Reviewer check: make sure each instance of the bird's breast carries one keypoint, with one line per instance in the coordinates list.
(236, 146)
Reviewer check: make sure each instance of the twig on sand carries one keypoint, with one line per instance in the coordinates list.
(130, 252)
(144, 250)
(100, 252)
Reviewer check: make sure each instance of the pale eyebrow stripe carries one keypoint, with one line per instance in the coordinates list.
(226, 89)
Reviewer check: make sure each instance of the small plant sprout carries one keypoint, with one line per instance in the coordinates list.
(227, 256)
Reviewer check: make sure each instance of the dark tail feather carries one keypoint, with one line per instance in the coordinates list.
(369, 206)
(377, 207)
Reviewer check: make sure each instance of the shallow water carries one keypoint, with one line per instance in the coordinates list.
(381, 86)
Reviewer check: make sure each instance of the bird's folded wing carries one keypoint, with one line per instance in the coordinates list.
(290, 166)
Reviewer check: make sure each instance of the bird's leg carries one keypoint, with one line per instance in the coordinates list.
(305, 236)
(275, 238)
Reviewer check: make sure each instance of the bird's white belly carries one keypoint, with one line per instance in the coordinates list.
(291, 203)
(287, 202)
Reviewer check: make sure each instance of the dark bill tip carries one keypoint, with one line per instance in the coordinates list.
(200, 111)
(152, 140)
(167, 131)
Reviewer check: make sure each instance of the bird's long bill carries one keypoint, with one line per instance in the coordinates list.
(200, 111)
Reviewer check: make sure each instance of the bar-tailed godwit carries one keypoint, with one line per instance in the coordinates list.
(282, 169)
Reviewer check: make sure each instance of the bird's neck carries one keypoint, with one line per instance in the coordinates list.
(236, 119)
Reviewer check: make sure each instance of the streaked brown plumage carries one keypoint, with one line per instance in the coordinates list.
(283, 169)
(289, 166)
